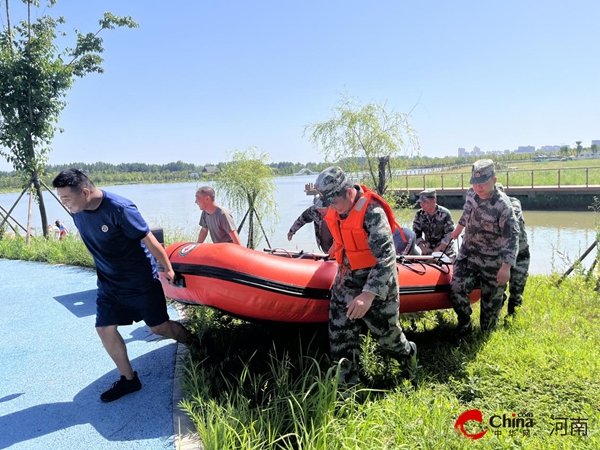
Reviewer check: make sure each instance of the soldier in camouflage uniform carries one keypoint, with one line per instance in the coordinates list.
(314, 214)
(433, 226)
(520, 272)
(488, 251)
(366, 285)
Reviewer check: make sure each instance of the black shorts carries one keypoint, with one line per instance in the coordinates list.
(114, 308)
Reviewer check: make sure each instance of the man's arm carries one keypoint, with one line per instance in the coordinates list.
(159, 254)
(456, 233)
(235, 237)
(202, 235)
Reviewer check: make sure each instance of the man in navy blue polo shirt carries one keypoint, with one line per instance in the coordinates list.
(125, 252)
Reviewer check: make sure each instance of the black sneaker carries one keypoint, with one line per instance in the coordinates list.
(121, 388)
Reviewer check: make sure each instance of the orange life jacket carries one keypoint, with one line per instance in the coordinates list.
(350, 235)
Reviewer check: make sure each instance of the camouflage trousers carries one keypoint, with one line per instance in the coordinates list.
(518, 279)
(381, 320)
(466, 273)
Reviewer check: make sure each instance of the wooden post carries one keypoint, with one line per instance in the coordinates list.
(587, 177)
(28, 233)
(580, 259)
(532, 179)
(558, 177)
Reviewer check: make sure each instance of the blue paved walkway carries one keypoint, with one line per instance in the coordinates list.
(53, 368)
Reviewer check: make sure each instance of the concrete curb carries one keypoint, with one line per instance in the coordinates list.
(184, 431)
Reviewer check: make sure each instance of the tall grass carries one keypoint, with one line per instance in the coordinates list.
(70, 250)
(271, 386)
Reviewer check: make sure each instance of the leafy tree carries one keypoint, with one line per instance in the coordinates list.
(594, 149)
(34, 79)
(247, 184)
(579, 148)
(369, 133)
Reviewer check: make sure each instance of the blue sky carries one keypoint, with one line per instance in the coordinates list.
(200, 79)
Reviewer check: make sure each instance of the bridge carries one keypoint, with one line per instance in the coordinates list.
(561, 189)
(306, 171)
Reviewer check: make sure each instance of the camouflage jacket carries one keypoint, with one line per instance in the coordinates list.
(383, 276)
(435, 229)
(491, 228)
(516, 205)
(322, 233)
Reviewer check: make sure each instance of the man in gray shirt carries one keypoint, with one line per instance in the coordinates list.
(215, 219)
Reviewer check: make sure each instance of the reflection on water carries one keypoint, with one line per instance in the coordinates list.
(551, 234)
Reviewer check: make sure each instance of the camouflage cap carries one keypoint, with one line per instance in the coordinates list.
(318, 202)
(427, 194)
(482, 171)
(330, 183)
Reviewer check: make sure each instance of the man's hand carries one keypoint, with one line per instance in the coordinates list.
(503, 275)
(290, 234)
(456, 233)
(440, 248)
(170, 275)
(425, 248)
(358, 307)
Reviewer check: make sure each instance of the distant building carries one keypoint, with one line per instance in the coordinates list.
(476, 151)
(462, 152)
(525, 149)
(550, 148)
(596, 142)
(210, 169)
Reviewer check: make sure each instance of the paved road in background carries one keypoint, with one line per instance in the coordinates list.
(53, 368)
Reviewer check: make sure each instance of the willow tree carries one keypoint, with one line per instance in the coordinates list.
(246, 183)
(369, 136)
(35, 76)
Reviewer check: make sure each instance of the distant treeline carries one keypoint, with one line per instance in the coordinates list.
(132, 173)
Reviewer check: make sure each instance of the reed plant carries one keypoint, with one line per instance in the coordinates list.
(272, 386)
(70, 250)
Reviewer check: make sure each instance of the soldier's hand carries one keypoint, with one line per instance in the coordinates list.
(425, 248)
(358, 307)
(503, 275)
(455, 234)
(290, 234)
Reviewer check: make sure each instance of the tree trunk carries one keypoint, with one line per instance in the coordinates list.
(251, 230)
(42, 205)
(28, 232)
(381, 185)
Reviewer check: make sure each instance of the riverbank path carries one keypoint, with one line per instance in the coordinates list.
(53, 369)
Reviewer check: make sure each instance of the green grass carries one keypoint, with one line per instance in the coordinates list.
(272, 386)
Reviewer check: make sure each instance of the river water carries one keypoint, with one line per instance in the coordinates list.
(556, 238)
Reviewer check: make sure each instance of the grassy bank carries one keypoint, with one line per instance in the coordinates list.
(266, 386)
(271, 386)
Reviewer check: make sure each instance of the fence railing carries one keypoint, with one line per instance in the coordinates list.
(565, 177)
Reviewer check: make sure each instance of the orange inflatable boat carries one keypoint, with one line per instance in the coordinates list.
(285, 287)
